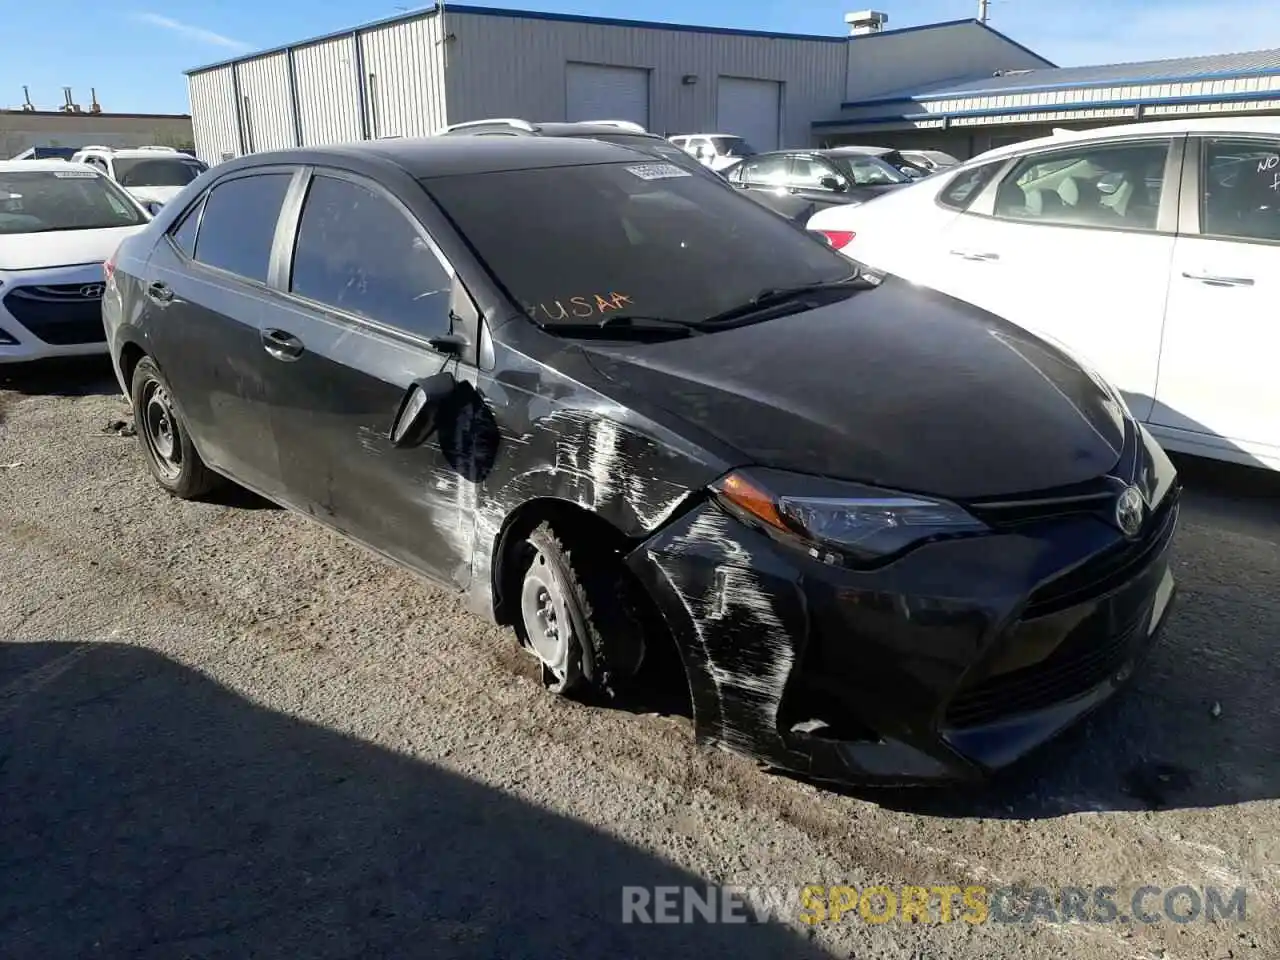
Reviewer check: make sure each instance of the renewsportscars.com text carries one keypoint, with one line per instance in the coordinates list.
(973, 904)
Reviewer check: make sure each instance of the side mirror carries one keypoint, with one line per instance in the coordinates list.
(154, 207)
(416, 418)
(832, 183)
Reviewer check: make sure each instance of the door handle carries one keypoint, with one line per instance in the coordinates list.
(1215, 281)
(159, 291)
(973, 255)
(281, 345)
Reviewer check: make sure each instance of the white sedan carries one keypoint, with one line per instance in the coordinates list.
(1149, 250)
(58, 223)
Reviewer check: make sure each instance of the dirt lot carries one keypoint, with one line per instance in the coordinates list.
(226, 733)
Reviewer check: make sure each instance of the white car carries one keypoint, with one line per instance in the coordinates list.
(1149, 250)
(930, 160)
(154, 175)
(58, 223)
(719, 151)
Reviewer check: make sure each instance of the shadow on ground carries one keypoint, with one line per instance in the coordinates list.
(64, 377)
(1200, 724)
(149, 812)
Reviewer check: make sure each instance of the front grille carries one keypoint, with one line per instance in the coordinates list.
(1091, 652)
(1080, 664)
(61, 314)
(1109, 570)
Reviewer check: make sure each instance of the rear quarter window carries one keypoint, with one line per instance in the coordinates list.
(239, 224)
(963, 188)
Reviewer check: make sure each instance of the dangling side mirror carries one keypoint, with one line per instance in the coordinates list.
(416, 418)
(154, 207)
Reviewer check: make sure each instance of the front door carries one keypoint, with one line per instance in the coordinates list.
(818, 184)
(1218, 380)
(207, 287)
(1081, 263)
(367, 289)
(766, 180)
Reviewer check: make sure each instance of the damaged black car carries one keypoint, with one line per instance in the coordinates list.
(891, 537)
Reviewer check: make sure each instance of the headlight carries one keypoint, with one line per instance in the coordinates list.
(840, 521)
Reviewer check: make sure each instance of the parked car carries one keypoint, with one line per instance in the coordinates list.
(798, 183)
(1150, 249)
(46, 153)
(719, 151)
(611, 131)
(152, 174)
(58, 223)
(889, 155)
(931, 161)
(617, 408)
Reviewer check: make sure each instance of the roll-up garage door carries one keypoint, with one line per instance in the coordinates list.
(594, 92)
(749, 109)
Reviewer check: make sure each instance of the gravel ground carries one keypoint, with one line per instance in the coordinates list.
(225, 732)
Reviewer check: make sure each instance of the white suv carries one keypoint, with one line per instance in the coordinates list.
(719, 151)
(154, 175)
(59, 223)
(1151, 250)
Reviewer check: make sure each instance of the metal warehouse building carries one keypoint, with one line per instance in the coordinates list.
(959, 86)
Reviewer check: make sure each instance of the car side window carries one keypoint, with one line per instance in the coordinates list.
(767, 171)
(965, 186)
(359, 253)
(1117, 186)
(239, 224)
(1240, 189)
(808, 173)
(184, 234)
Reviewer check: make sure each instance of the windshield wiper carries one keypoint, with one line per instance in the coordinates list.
(778, 296)
(625, 326)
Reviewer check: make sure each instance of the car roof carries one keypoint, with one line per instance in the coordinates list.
(423, 157)
(35, 166)
(849, 150)
(1269, 126)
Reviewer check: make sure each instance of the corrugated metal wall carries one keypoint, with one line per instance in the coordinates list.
(213, 114)
(404, 78)
(266, 112)
(506, 66)
(328, 101)
(883, 64)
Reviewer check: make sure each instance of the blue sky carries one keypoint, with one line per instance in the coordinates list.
(134, 51)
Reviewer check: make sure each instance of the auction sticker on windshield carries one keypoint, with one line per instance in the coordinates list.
(74, 174)
(657, 171)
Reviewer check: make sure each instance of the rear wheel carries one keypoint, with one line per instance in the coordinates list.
(574, 616)
(171, 456)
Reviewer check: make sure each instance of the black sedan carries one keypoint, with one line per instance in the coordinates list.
(892, 537)
(799, 183)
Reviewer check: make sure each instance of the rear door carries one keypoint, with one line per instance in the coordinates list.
(367, 289)
(205, 294)
(1218, 386)
(1075, 243)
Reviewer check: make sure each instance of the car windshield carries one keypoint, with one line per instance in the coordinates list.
(733, 147)
(868, 171)
(157, 171)
(587, 244)
(39, 201)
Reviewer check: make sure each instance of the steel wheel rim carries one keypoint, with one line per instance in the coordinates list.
(160, 430)
(546, 617)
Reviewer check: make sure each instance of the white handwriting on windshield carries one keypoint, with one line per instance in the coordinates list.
(582, 307)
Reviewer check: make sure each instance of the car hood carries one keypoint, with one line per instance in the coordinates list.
(158, 194)
(896, 386)
(60, 248)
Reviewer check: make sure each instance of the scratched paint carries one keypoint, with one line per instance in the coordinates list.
(749, 653)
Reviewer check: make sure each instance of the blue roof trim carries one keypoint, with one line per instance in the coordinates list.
(527, 15)
(1057, 108)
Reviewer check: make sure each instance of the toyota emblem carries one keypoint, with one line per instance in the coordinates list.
(1131, 508)
(92, 291)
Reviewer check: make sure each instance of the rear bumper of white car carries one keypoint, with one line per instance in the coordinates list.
(51, 312)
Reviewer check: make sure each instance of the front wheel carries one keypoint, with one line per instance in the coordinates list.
(573, 617)
(171, 456)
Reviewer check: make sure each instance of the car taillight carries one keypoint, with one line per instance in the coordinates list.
(839, 239)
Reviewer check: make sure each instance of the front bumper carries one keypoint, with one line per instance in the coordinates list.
(950, 663)
(51, 312)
